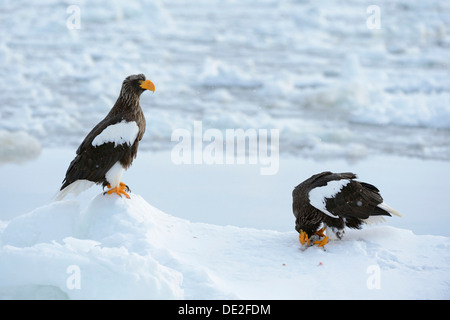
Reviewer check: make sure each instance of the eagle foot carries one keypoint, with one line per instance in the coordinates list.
(120, 190)
(320, 232)
(127, 189)
(321, 243)
(304, 239)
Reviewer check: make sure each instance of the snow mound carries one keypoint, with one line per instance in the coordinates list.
(115, 248)
(105, 242)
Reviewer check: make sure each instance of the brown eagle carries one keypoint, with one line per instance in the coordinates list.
(112, 145)
(336, 201)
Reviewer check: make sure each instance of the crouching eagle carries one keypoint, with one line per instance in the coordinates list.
(335, 200)
(112, 145)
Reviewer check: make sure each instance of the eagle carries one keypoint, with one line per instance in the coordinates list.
(112, 144)
(335, 201)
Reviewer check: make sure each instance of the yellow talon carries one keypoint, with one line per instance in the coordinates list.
(303, 237)
(119, 190)
(320, 232)
(321, 243)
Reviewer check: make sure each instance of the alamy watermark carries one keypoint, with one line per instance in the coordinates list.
(73, 281)
(374, 280)
(237, 146)
(374, 20)
(73, 21)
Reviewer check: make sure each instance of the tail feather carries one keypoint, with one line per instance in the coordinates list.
(389, 209)
(74, 188)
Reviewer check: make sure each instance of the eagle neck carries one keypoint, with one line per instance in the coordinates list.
(126, 103)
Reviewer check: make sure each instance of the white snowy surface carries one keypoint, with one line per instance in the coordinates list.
(127, 249)
(230, 234)
(119, 133)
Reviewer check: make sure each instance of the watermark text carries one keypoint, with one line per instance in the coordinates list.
(236, 146)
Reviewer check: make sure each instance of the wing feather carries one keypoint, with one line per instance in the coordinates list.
(93, 162)
(356, 200)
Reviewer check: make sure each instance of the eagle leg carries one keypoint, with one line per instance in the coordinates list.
(303, 237)
(320, 232)
(120, 190)
(321, 243)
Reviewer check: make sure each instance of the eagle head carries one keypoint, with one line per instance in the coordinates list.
(137, 84)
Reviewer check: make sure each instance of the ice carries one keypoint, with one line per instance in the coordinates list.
(313, 70)
(216, 73)
(18, 147)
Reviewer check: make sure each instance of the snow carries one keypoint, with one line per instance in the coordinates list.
(128, 249)
(318, 195)
(97, 246)
(119, 133)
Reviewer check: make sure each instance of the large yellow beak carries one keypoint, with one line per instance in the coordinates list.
(147, 84)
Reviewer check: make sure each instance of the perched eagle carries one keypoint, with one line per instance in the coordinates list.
(112, 145)
(335, 200)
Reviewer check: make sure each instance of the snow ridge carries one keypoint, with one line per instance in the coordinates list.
(115, 248)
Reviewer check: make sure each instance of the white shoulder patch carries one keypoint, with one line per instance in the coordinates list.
(318, 196)
(119, 133)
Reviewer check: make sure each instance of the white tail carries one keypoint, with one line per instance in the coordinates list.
(75, 188)
(389, 209)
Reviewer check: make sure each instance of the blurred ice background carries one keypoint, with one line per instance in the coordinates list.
(312, 69)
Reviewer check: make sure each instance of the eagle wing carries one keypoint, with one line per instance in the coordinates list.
(356, 200)
(93, 161)
(338, 195)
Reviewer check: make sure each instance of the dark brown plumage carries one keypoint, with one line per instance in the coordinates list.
(335, 200)
(112, 144)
